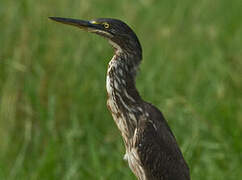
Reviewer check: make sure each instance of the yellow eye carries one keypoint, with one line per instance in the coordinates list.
(105, 25)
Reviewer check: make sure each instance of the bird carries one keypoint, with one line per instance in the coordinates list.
(151, 148)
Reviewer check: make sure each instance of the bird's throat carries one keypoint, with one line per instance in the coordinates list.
(123, 97)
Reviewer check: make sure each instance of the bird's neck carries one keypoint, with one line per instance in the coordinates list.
(123, 97)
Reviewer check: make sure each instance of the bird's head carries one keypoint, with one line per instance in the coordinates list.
(119, 34)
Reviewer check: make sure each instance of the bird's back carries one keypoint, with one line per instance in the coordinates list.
(157, 148)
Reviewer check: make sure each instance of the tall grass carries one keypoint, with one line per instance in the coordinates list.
(53, 118)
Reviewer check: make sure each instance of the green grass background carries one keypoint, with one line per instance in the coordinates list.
(54, 123)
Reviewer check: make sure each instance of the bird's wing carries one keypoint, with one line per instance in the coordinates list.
(157, 148)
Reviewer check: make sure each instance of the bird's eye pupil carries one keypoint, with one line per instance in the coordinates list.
(106, 25)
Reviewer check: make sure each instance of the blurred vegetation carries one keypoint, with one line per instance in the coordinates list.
(54, 123)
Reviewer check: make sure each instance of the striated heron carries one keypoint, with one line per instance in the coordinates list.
(151, 148)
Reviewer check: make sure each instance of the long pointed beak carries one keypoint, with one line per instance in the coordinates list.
(86, 25)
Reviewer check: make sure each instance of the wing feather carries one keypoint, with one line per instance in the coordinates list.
(158, 150)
